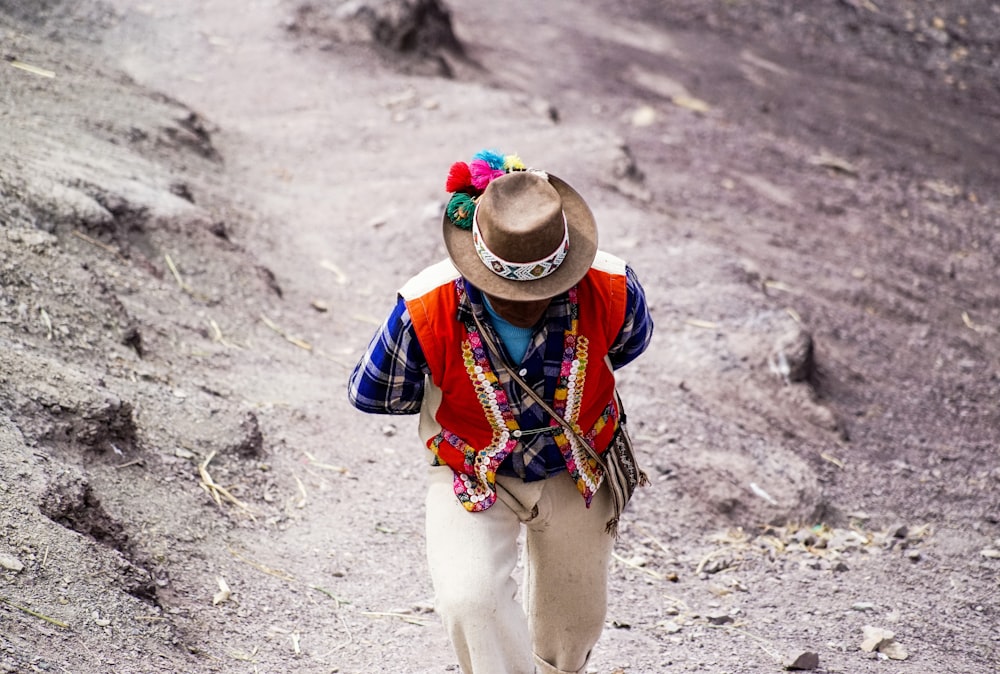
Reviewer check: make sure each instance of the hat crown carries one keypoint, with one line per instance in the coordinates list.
(516, 233)
(520, 217)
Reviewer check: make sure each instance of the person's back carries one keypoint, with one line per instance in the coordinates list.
(508, 350)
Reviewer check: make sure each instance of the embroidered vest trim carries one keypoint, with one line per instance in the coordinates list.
(475, 468)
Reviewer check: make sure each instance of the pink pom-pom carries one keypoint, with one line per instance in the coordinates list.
(459, 177)
(483, 173)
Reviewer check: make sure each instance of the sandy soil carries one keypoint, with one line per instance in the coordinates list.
(207, 206)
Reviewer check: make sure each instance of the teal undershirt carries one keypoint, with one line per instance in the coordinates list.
(515, 339)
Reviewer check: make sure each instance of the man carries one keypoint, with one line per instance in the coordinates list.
(526, 285)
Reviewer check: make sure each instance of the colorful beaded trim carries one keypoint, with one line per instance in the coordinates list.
(475, 485)
(585, 471)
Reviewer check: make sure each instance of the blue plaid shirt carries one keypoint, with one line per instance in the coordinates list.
(389, 378)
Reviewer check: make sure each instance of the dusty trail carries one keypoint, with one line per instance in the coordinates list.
(785, 515)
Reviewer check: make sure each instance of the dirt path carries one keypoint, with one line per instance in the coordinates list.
(786, 515)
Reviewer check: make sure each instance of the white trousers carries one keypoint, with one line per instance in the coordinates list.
(472, 557)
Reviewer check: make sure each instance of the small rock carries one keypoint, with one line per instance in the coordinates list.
(862, 606)
(718, 564)
(990, 553)
(719, 618)
(893, 650)
(249, 440)
(804, 536)
(388, 430)
(645, 115)
(792, 356)
(874, 637)
(670, 626)
(11, 563)
(802, 662)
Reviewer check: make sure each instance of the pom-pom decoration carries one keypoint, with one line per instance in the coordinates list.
(491, 157)
(459, 177)
(513, 163)
(483, 173)
(461, 209)
(466, 181)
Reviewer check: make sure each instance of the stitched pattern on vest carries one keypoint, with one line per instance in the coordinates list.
(476, 486)
(566, 401)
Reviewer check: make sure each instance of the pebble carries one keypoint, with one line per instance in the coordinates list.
(719, 618)
(883, 641)
(804, 661)
(893, 650)
(645, 115)
(792, 355)
(11, 563)
(804, 536)
(874, 637)
(670, 626)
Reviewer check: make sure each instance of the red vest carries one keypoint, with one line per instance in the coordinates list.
(466, 420)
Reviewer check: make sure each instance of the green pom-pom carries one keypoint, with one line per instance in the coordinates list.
(460, 210)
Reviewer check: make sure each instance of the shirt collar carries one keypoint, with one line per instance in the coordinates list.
(557, 316)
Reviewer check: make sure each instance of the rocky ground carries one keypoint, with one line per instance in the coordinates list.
(206, 209)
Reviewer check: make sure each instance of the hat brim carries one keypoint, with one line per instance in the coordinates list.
(582, 251)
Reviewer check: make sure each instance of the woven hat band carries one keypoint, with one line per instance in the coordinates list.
(520, 271)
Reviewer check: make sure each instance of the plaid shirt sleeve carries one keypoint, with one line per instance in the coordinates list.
(637, 329)
(389, 378)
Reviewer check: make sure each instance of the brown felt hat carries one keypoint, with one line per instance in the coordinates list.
(533, 238)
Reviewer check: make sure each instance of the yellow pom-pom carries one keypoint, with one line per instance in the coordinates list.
(513, 163)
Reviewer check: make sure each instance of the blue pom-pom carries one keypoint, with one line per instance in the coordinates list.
(491, 157)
